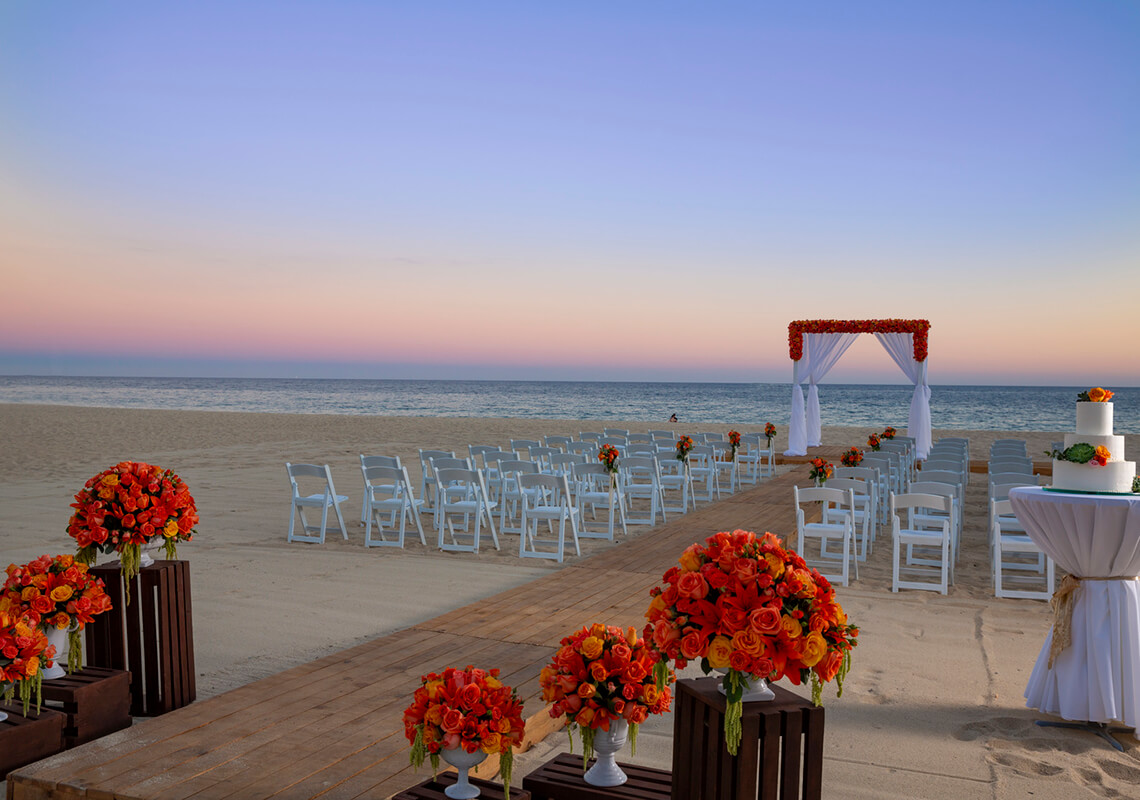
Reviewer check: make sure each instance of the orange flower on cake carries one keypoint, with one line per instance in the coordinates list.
(741, 602)
(1095, 395)
(1101, 455)
(464, 708)
(55, 592)
(127, 506)
(24, 652)
(601, 674)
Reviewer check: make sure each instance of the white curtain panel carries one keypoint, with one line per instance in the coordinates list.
(821, 350)
(900, 347)
(797, 426)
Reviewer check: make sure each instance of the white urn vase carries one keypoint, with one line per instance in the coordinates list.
(755, 688)
(57, 637)
(606, 771)
(459, 758)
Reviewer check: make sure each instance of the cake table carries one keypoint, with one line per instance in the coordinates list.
(1096, 539)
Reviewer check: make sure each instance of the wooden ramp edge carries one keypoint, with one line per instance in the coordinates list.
(332, 728)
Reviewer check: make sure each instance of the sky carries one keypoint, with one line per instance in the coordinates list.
(568, 190)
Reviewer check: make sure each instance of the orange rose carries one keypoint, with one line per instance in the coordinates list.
(693, 586)
(1097, 395)
(748, 641)
(720, 651)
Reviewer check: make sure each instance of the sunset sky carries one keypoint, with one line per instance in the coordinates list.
(579, 190)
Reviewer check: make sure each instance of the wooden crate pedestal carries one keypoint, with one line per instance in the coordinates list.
(780, 755)
(152, 637)
(561, 779)
(27, 739)
(95, 701)
(433, 789)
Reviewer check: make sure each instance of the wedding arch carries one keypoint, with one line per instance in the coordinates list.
(815, 346)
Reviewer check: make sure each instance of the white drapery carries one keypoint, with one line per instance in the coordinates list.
(821, 351)
(900, 347)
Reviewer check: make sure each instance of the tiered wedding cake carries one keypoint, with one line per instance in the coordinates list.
(1093, 458)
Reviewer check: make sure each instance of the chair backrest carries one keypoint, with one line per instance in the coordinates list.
(713, 437)
(379, 461)
(643, 438)
(1016, 478)
(450, 463)
(1001, 507)
(522, 446)
(588, 448)
(1000, 491)
(392, 480)
(561, 442)
(944, 465)
(942, 476)
(518, 467)
(869, 474)
(587, 436)
(613, 441)
(663, 436)
(934, 502)
(641, 447)
(306, 471)
(564, 464)
(644, 466)
(823, 494)
(556, 483)
(859, 487)
(620, 432)
(1022, 465)
(934, 487)
(543, 454)
(427, 455)
(454, 475)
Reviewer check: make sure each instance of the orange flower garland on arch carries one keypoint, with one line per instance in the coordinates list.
(797, 329)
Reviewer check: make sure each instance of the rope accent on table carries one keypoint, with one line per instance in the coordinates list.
(1062, 605)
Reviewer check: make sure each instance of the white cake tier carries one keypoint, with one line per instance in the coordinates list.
(1094, 419)
(1115, 476)
(1115, 444)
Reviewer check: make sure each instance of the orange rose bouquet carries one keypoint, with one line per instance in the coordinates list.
(56, 592)
(743, 603)
(770, 432)
(608, 455)
(601, 674)
(852, 457)
(1095, 395)
(734, 443)
(684, 446)
(821, 470)
(464, 708)
(873, 442)
(889, 433)
(23, 651)
(127, 506)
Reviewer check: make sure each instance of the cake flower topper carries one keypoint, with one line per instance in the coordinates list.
(1082, 453)
(1095, 395)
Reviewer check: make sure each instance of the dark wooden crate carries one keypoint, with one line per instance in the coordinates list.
(561, 779)
(780, 755)
(152, 637)
(27, 739)
(432, 789)
(95, 700)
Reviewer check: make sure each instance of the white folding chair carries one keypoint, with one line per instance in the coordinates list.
(427, 475)
(546, 498)
(328, 498)
(702, 469)
(388, 491)
(913, 535)
(933, 518)
(595, 487)
(510, 495)
(561, 442)
(674, 477)
(1008, 537)
(641, 480)
(374, 461)
(864, 506)
(621, 433)
(521, 447)
(725, 463)
(462, 492)
(836, 523)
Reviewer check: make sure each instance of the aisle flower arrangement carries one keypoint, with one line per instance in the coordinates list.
(821, 470)
(770, 432)
(874, 442)
(852, 457)
(684, 446)
(889, 433)
(741, 602)
(601, 674)
(733, 443)
(55, 592)
(464, 708)
(24, 651)
(1095, 395)
(127, 506)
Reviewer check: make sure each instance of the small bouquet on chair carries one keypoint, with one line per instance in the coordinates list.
(684, 446)
(608, 455)
(770, 432)
(465, 709)
(889, 433)
(601, 676)
(873, 442)
(821, 470)
(733, 443)
(852, 457)
(128, 506)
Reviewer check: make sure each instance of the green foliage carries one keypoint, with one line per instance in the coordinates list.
(1081, 453)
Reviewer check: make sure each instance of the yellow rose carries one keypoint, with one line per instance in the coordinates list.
(592, 647)
(110, 480)
(66, 561)
(690, 561)
(434, 714)
(791, 626)
(492, 743)
(493, 682)
(1097, 395)
(32, 665)
(61, 594)
(171, 528)
(814, 648)
(720, 648)
(775, 565)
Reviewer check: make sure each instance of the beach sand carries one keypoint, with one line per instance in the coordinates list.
(933, 706)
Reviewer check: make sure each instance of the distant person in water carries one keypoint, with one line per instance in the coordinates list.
(673, 418)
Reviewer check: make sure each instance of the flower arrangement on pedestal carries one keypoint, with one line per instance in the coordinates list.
(770, 432)
(741, 602)
(55, 593)
(24, 651)
(468, 709)
(128, 506)
(873, 442)
(602, 674)
(821, 470)
(684, 446)
(852, 457)
(889, 433)
(733, 443)
(1095, 395)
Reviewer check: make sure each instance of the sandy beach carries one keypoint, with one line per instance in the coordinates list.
(933, 706)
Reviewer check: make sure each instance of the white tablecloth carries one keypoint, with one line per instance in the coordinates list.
(1097, 678)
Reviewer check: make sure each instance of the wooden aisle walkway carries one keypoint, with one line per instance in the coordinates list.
(332, 728)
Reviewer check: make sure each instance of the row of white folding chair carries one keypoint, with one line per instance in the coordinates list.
(1000, 485)
(1008, 537)
(957, 480)
(960, 442)
(908, 462)
(865, 505)
(929, 523)
(837, 523)
(876, 489)
(1013, 446)
(756, 459)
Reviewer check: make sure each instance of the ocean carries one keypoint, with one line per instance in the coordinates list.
(1011, 408)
